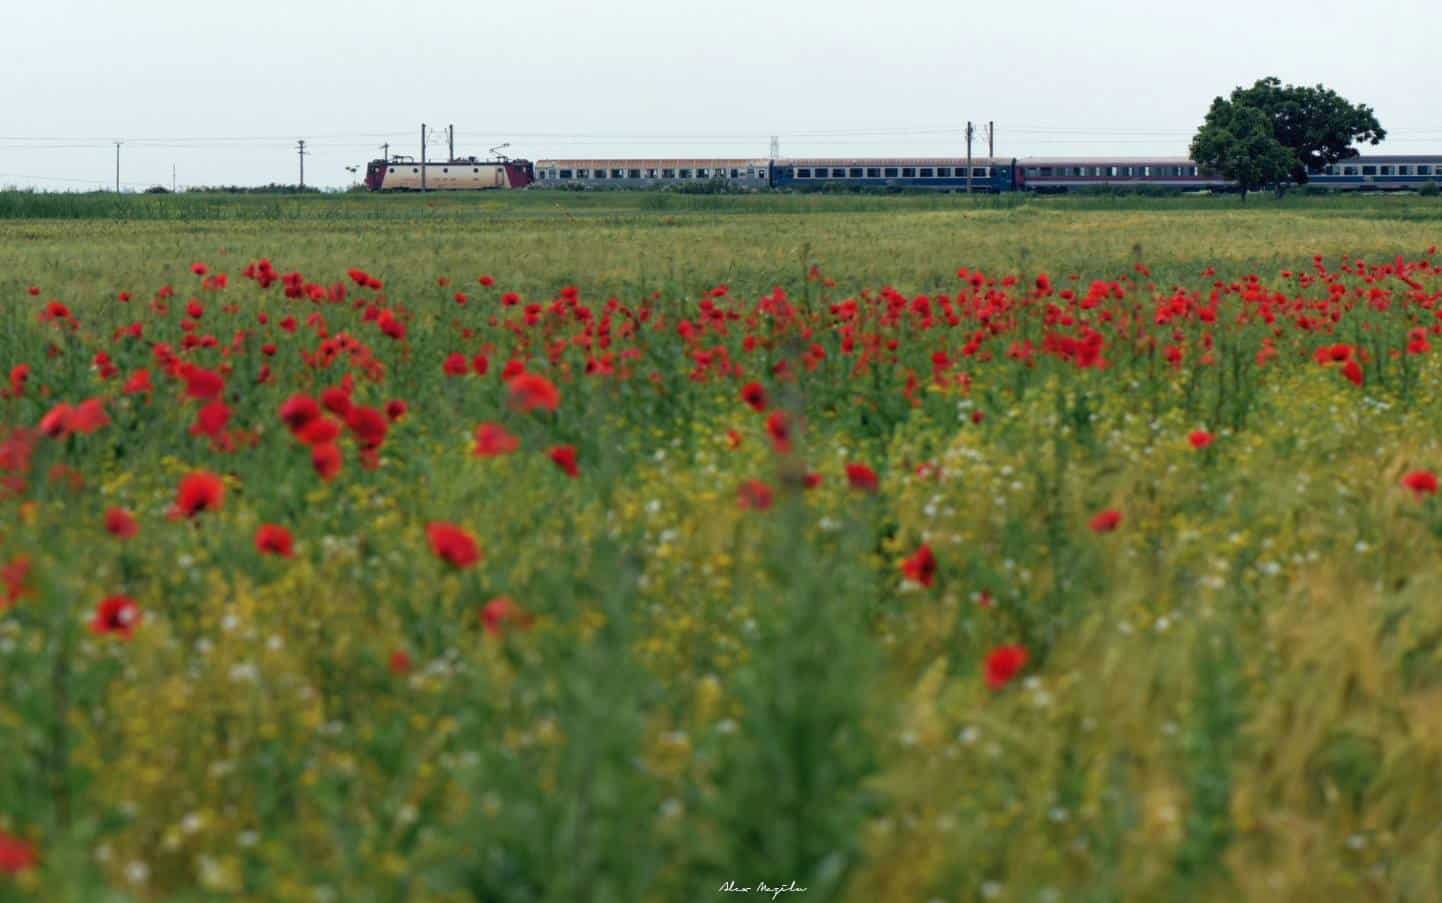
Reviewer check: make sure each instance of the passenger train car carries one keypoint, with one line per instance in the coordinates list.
(982, 174)
(651, 173)
(404, 174)
(935, 173)
(1381, 172)
(1068, 173)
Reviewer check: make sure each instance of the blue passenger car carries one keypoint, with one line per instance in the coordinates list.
(1381, 173)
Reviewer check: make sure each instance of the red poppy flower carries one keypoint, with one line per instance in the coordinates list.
(861, 477)
(199, 491)
(1200, 438)
(138, 382)
(56, 422)
(320, 431)
(396, 409)
(368, 425)
(325, 458)
(733, 439)
(117, 615)
(754, 495)
(298, 411)
(921, 566)
(12, 581)
(811, 480)
(753, 394)
(16, 854)
(1353, 372)
(779, 429)
(199, 268)
(487, 280)
(120, 522)
(1003, 663)
(501, 613)
(564, 457)
(336, 400)
(273, 539)
(492, 440)
(211, 420)
(531, 390)
(456, 364)
(453, 544)
(1106, 521)
(203, 384)
(1421, 482)
(400, 662)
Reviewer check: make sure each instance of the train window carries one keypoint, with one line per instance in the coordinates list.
(1404, 170)
(943, 172)
(598, 174)
(565, 173)
(1032, 171)
(1349, 170)
(873, 172)
(760, 173)
(583, 174)
(685, 173)
(855, 172)
(927, 173)
(634, 173)
(890, 172)
(1046, 171)
(735, 173)
(908, 172)
(979, 171)
(1386, 171)
(803, 173)
(1424, 170)
(668, 173)
(1369, 170)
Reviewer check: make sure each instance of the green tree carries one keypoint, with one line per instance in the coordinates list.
(1237, 142)
(1316, 125)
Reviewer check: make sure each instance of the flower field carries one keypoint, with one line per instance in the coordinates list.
(618, 549)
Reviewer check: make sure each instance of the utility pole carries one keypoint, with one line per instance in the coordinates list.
(117, 167)
(775, 147)
(386, 152)
(172, 178)
(423, 156)
(301, 151)
(969, 133)
(451, 140)
(991, 138)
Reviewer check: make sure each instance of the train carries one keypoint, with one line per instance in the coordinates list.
(991, 175)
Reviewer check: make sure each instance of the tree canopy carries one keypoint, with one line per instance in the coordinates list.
(1245, 136)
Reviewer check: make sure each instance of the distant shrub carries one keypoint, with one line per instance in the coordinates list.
(1429, 190)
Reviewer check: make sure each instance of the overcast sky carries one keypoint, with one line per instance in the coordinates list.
(224, 90)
